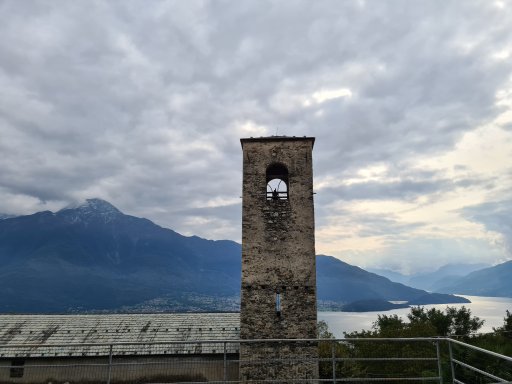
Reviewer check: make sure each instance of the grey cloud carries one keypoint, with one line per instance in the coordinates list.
(495, 216)
(137, 104)
(386, 226)
(426, 254)
(405, 189)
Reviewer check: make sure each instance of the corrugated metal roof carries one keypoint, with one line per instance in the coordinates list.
(72, 335)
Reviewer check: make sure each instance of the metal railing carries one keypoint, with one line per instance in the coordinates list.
(395, 360)
(469, 364)
(386, 359)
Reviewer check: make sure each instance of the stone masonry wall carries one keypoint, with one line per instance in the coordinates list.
(278, 257)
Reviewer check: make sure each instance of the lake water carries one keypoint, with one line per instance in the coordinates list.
(490, 309)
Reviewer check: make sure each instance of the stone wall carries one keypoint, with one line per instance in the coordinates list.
(278, 257)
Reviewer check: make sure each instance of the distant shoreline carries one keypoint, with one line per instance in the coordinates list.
(490, 309)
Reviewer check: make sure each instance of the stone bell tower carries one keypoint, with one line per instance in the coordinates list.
(278, 296)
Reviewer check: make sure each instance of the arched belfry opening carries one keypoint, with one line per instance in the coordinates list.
(277, 182)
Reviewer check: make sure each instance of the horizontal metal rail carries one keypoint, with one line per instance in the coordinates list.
(225, 356)
(470, 367)
(365, 379)
(383, 359)
(457, 362)
(504, 357)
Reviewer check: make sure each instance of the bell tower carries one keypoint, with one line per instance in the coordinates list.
(278, 295)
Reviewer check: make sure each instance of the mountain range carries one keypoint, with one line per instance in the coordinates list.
(432, 281)
(93, 257)
(492, 281)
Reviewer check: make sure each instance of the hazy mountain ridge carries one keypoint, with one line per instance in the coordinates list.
(338, 281)
(492, 281)
(432, 281)
(94, 257)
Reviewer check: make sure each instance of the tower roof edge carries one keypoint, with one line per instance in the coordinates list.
(276, 138)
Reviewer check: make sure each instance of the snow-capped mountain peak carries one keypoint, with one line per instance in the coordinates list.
(91, 208)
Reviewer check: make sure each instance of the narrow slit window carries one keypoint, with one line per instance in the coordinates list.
(278, 304)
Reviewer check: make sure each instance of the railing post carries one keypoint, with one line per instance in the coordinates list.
(333, 351)
(439, 369)
(109, 377)
(225, 363)
(451, 360)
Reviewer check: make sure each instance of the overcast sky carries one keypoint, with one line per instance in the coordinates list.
(143, 103)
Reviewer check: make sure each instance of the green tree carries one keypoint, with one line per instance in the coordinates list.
(462, 322)
(328, 347)
(499, 342)
(452, 322)
(422, 323)
(322, 330)
(433, 317)
(506, 329)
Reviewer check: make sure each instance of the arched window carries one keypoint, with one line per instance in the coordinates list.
(277, 182)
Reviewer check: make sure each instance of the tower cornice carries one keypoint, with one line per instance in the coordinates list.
(276, 138)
